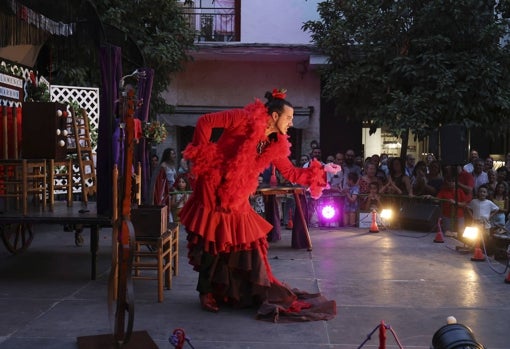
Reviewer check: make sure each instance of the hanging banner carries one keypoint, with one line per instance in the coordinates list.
(11, 88)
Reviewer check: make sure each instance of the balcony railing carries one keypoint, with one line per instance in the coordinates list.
(217, 22)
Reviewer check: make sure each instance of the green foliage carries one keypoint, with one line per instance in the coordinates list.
(414, 64)
(152, 29)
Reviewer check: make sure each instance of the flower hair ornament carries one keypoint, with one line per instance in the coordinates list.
(279, 93)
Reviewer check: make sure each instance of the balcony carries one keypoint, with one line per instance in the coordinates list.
(214, 20)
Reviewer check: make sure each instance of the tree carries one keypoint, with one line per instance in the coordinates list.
(414, 65)
(152, 33)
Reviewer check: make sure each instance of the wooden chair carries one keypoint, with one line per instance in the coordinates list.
(137, 182)
(60, 179)
(21, 179)
(174, 256)
(157, 253)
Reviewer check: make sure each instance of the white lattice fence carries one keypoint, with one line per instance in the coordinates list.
(88, 99)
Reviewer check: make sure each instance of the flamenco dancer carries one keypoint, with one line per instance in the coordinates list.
(227, 239)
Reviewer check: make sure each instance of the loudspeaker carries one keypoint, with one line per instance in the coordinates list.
(454, 144)
(421, 216)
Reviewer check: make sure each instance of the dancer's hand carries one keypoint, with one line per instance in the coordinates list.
(332, 168)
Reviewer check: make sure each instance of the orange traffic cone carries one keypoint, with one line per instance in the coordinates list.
(439, 236)
(290, 222)
(478, 255)
(373, 227)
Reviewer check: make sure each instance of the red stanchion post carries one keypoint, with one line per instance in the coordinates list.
(382, 335)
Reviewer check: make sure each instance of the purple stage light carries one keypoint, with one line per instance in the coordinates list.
(328, 211)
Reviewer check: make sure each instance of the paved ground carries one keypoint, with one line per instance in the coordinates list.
(403, 278)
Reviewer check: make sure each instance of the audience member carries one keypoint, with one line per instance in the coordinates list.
(304, 159)
(339, 159)
(316, 154)
(376, 159)
(384, 164)
(481, 209)
(368, 177)
(169, 165)
(349, 166)
(470, 166)
(452, 197)
(488, 164)
(479, 176)
(434, 176)
(410, 164)
(492, 177)
(420, 182)
(358, 160)
(373, 200)
(183, 166)
(179, 196)
(351, 191)
(154, 162)
(500, 198)
(506, 168)
(428, 160)
(398, 183)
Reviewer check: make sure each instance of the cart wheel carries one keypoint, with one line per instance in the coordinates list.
(17, 237)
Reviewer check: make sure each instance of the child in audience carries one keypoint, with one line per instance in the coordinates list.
(373, 199)
(482, 209)
(179, 196)
(351, 199)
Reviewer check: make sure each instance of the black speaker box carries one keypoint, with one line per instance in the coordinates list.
(454, 144)
(420, 216)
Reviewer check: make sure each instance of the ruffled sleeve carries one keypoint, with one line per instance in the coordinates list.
(313, 177)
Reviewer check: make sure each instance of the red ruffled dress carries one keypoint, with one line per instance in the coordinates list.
(220, 220)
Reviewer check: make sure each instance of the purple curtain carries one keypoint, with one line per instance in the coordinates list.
(107, 144)
(142, 113)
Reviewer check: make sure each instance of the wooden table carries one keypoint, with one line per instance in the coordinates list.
(296, 191)
(61, 214)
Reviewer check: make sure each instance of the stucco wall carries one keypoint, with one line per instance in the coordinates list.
(231, 84)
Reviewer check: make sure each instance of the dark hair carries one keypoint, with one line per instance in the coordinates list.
(166, 155)
(275, 104)
(353, 176)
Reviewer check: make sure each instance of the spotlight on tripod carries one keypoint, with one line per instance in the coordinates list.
(455, 336)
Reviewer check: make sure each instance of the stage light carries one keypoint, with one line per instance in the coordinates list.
(328, 212)
(386, 214)
(455, 336)
(470, 233)
(473, 233)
